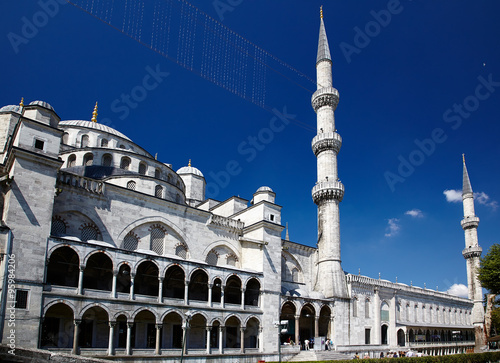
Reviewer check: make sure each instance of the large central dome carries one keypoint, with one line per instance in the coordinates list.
(93, 125)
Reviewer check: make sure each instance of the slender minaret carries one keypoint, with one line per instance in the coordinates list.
(328, 191)
(472, 255)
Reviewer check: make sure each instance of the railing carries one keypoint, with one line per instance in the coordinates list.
(328, 190)
(231, 224)
(80, 182)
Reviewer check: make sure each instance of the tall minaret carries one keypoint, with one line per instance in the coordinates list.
(472, 255)
(328, 191)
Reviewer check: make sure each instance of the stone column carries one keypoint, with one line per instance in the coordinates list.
(129, 338)
(80, 280)
(113, 286)
(76, 333)
(243, 298)
(160, 289)
(186, 292)
(242, 339)
(132, 278)
(297, 329)
(376, 317)
(316, 326)
(158, 339)
(111, 341)
(208, 329)
(222, 287)
(221, 338)
(210, 295)
(392, 338)
(185, 339)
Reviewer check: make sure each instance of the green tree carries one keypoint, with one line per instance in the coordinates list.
(489, 271)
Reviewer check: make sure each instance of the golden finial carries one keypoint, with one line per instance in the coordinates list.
(321, 11)
(94, 114)
(21, 104)
(189, 164)
(156, 156)
(463, 158)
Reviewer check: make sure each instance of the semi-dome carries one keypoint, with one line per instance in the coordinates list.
(43, 104)
(95, 126)
(264, 189)
(190, 170)
(11, 108)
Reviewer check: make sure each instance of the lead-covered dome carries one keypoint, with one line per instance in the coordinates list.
(11, 108)
(94, 126)
(190, 170)
(43, 104)
(264, 189)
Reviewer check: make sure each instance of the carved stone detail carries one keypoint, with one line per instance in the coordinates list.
(324, 191)
(328, 96)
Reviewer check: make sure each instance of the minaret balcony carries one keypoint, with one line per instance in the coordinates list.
(327, 96)
(326, 141)
(469, 222)
(472, 252)
(328, 190)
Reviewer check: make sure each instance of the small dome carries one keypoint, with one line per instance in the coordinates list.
(189, 170)
(93, 125)
(43, 104)
(11, 108)
(264, 189)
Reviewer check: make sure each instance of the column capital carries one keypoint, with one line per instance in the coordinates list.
(161, 278)
(210, 285)
(77, 321)
(208, 328)
(130, 324)
(158, 326)
(186, 282)
(242, 329)
(112, 324)
(132, 275)
(115, 272)
(82, 267)
(243, 289)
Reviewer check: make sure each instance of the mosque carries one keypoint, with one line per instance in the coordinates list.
(107, 251)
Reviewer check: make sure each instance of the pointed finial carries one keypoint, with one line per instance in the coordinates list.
(359, 272)
(425, 287)
(287, 237)
(189, 164)
(437, 288)
(463, 158)
(411, 283)
(466, 186)
(321, 11)
(94, 114)
(21, 104)
(156, 156)
(396, 279)
(379, 275)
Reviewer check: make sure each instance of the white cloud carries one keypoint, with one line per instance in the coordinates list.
(483, 198)
(415, 213)
(458, 290)
(392, 227)
(453, 196)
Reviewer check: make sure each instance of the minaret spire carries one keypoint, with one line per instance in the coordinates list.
(94, 114)
(466, 187)
(328, 191)
(472, 255)
(323, 48)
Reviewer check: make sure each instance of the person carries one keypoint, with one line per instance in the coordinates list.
(306, 344)
(381, 354)
(366, 356)
(327, 344)
(356, 356)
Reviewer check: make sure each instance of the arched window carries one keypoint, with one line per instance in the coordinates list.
(131, 185)
(104, 142)
(89, 232)
(384, 312)
(159, 191)
(367, 308)
(88, 159)
(107, 160)
(65, 138)
(157, 173)
(125, 163)
(130, 242)
(157, 237)
(71, 161)
(355, 307)
(122, 146)
(181, 251)
(142, 168)
(58, 227)
(63, 267)
(85, 140)
(212, 258)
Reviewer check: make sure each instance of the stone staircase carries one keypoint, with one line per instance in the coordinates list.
(318, 355)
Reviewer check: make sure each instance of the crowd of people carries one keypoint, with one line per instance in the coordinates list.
(409, 353)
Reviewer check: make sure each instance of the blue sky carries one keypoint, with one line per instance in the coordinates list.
(419, 85)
